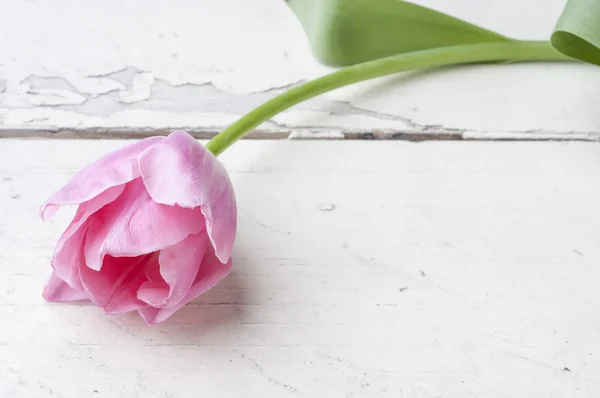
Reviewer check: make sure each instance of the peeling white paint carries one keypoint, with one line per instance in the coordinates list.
(40, 118)
(93, 86)
(308, 134)
(204, 64)
(140, 90)
(308, 119)
(50, 96)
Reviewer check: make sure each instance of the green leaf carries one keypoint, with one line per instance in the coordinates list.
(577, 33)
(347, 32)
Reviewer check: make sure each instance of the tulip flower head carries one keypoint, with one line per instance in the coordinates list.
(154, 228)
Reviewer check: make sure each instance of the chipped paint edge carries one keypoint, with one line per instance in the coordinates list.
(302, 134)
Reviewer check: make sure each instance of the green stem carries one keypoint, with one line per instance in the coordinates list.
(445, 56)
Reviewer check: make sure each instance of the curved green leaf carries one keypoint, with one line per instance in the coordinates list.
(347, 32)
(577, 33)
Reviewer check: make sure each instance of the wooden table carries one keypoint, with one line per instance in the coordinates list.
(126, 68)
(362, 268)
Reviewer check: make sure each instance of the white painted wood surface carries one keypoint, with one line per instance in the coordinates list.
(361, 269)
(127, 67)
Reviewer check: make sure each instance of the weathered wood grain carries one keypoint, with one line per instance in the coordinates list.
(126, 68)
(361, 269)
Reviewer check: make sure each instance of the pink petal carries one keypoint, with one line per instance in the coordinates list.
(134, 225)
(179, 265)
(180, 171)
(155, 289)
(210, 273)
(68, 250)
(116, 168)
(59, 291)
(68, 259)
(114, 287)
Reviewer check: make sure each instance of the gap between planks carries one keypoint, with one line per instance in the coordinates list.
(305, 134)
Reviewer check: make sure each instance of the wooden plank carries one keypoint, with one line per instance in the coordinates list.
(201, 64)
(361, 269)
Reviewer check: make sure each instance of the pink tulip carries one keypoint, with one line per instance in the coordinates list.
(154, 228)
